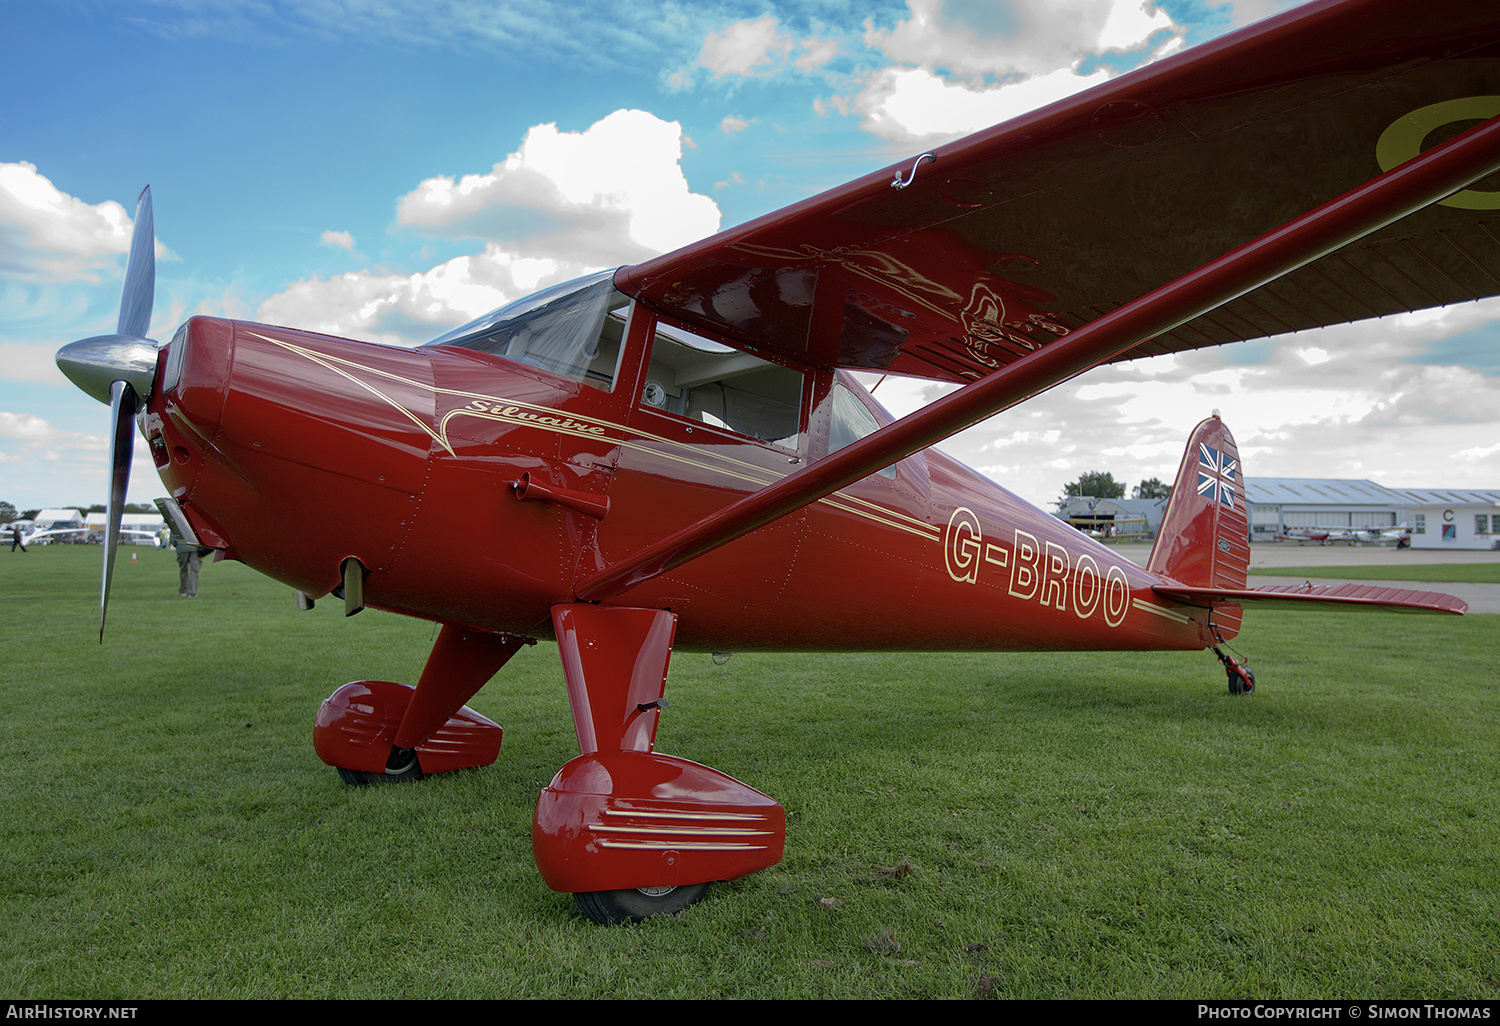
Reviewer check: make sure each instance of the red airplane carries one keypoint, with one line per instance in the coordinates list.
(673, 455)
(1310, 534)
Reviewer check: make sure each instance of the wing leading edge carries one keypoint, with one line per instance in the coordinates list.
(1017, 236)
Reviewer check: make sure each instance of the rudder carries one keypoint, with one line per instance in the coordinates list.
(1204, 540)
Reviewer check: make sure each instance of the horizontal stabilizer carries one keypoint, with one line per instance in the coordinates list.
(1327, 596)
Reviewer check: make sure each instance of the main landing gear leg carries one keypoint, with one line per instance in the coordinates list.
(379, 731)
(628, 832)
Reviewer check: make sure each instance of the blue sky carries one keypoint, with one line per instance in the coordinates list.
(387, 169)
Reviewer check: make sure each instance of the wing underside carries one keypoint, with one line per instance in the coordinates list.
(1021, 234)
(1247, 188)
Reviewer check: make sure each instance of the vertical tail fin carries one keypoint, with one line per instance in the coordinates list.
(1204, 539)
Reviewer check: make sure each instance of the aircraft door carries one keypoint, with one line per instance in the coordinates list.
(708, 424)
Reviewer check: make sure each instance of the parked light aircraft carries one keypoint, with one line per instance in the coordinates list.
(674, 456)
(1399, 535)
(80, 535)
(1303, 535)
(55, 535)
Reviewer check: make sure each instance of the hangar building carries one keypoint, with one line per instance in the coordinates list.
(1438, 517)
(1125, 519)
(1453, 518)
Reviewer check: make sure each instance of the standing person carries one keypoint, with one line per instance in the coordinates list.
(15, 539)
(189, 560)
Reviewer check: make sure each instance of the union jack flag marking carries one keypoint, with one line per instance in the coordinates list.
(1216, 475)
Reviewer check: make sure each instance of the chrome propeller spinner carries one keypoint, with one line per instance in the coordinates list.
(119, 369)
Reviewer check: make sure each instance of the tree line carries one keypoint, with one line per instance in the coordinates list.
(1100, 484)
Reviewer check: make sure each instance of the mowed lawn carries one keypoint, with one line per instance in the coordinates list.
(970, 825)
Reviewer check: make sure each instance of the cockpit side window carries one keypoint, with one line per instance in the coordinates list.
(574, 330)
(706, 381)
(851, 421)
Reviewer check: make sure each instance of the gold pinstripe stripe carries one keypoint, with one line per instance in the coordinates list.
(681, 831)
(680, 846)
(745, 472)
(1163, 611)
(727, 817)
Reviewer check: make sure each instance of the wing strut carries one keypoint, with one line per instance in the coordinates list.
(1424, 179)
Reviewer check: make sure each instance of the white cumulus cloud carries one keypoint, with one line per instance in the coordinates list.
(758, 49)
(745, 48)
(24, 426)
(614, 193)
(564, 204)
(919, 107)
(407, 308)
(1018, 38)
(957, 66)
(1363, 410)
(47, 235)
(77, 460)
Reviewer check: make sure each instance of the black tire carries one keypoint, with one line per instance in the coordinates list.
(407, 769)
(610, 908)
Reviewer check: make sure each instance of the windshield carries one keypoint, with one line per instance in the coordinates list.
(573, 329)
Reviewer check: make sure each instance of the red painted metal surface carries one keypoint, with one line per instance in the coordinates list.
(621, 816)
(615, 661)
(356, 727)
(869, 567)
(616, 820)
(1203, 541)
(1204, 537)
(462, 661)
(529, 490)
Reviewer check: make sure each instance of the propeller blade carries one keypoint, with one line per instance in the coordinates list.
(140, 272)
(122, 407)
(120, 369)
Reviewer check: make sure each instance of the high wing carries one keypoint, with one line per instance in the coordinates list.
(1018, 235)
(873, 276)
(1413, 185)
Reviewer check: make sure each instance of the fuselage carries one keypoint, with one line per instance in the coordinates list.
(293, 452)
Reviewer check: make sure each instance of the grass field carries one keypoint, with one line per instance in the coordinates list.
(1081, 825)
(1460, 573)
